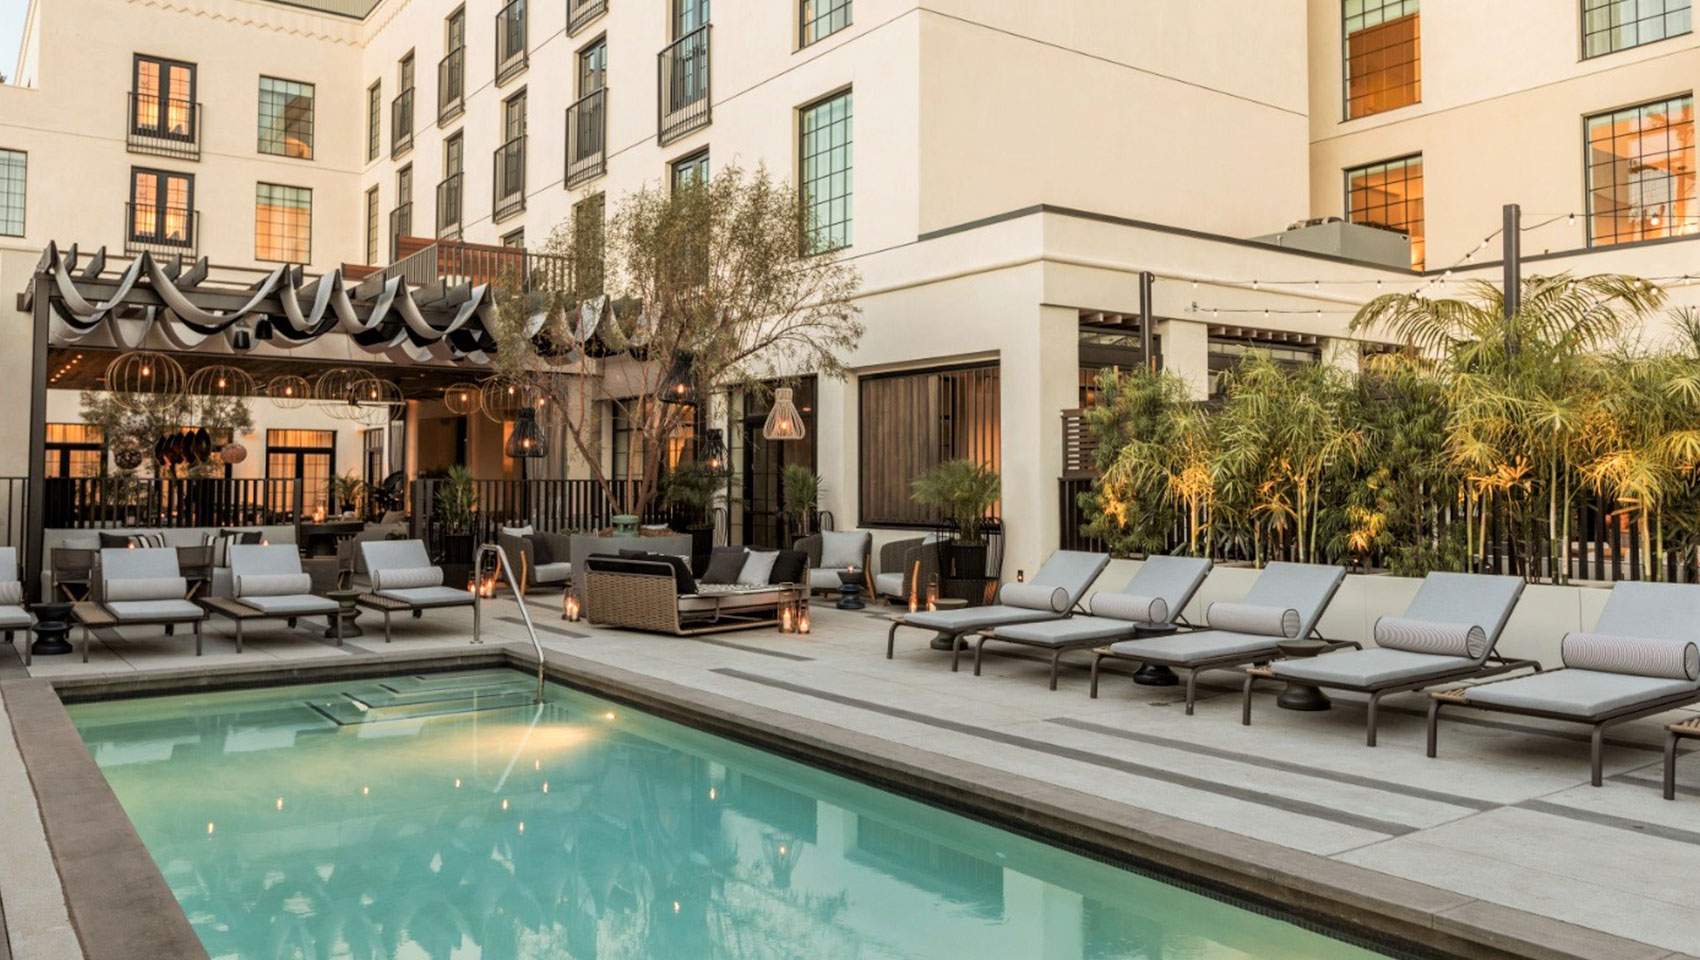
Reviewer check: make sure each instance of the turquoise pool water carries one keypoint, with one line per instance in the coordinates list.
(388, 819)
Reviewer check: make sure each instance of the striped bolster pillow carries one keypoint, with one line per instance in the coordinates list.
(1637, 656)
(1032, 596)
(405, 578)
(11, 591)
(1121, 606)
(1425, 636)
(221, 544)
(1253, 618)
(147, 588)
(273, 584)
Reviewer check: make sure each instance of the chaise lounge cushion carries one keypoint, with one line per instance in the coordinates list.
(1253, 618)
(291, 606)
(1121, 606)
(1371, 668)
(973, 618)
(154, 610)
(1064, 633)
(1660, 657)
(1187, 648)
(428, 596)
(1577, 693)
(1433, 638)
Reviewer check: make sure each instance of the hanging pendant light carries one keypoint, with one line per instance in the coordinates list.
(526, 440)
(375, 401)
(220, 380)
(289, 391)
(713, 457)
(783, 421)
(504, 395)
(140, 376)
(462, 398)
(676, 387)
(335, 388)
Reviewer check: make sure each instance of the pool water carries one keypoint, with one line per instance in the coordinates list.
(452, 817)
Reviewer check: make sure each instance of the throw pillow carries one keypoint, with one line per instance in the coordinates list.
(724, 565)
(840, 549)
(221, 543)
(540, 552)
(789, 567)
(137, 540)
(524, 531)
(758, 566)
(245, 536)
(684, 583)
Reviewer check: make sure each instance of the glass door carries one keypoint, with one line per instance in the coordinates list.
(763, 462)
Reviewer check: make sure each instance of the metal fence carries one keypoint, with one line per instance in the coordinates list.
(552, 505)
(165, 503)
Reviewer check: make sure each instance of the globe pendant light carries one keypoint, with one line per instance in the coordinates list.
(526, 440)
(289, 391)
(141, 376)
(462, 398)
(221, 381)
(783, 421)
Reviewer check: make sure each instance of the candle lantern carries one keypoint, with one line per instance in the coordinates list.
(570, 608)
(803, 619)
(786, 622)
(932, 591)
(1020, 576)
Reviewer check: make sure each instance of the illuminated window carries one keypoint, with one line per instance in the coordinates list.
(165, 98)
(820, 19)
(1612, 25)
(286, 118)
(1641, 172)
(1383, 50)
(826, 155)
(13, 164)
(629, 451)
(912, 422)
(283, 223)
(74, 450)
(1389, 194)
(307, 457)
(162, 207)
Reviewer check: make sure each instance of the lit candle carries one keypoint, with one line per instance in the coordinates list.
(803, 623)
(785, 625)
(572, 611)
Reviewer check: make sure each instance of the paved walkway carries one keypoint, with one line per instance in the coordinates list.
(1504, 816)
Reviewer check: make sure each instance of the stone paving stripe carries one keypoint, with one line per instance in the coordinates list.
(545, 628)
(1659, 784)
(782, 654)
(1607, 820)
(1258, 760)
(1300, 807)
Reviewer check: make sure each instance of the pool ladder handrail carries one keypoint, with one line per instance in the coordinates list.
(507, 570)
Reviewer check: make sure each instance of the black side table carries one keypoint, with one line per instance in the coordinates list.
(1154, 674)
(1302, 696)
(850, 590)
(349, 613)
(52, 626)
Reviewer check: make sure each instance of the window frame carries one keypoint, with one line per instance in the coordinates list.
(1588, 188)
(59, 452)
(308, 258)
(282, 137)
(1583, 33)
(374, 119)
(1346, 197)
(162, 179)
(804, 22)
(1346, 115)
(940, 453)
(163, 128)
(599, 45)
(374, 212)
(697, 159)
(23, 192)
(803, 181)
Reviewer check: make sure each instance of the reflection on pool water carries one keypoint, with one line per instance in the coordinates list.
(385, 819)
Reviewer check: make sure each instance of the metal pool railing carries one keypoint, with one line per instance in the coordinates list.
(502, 564)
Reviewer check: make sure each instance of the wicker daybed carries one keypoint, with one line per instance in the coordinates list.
(643, 594)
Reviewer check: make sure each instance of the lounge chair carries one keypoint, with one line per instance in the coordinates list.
(403, 578)
(1640, 659)
(1448, 633)
(13, 616)
(1284, 604)
(140, 586)
(1052, 594)
(834, 552)
(905, 565)
(1152, 600)
(269, 579)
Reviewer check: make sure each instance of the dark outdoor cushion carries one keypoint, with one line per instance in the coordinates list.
(645, 564)
(243, 536)
(540, 552)
(789, 567)
(115, 540)
(724, 564)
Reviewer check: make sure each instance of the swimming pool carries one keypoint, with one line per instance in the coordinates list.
(450, 816)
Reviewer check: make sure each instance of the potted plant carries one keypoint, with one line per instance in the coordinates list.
(690, 490)
(457, 503)
(348, 490)
(964, 491)
(801, 489)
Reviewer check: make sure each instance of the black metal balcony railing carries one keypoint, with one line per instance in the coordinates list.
(401, 225)
(509, 186)
(401, 123)
(451, 86)
(683, 73)
(454, 262)
(162, 231)
(581, 12)
(449, 206)
(164, 127)
(587, 138)
(510, 42)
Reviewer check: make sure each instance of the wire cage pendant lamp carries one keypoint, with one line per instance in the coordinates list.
(783, 421)
(526, 440)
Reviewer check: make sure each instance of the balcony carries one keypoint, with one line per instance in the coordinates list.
(449, 206)
(451, 86)
(161, 231)
(401, 225)
(401, 123)
(587, 138)
(684, 81)
(581, 12)
(511, 53)
(509, 181)
(453, 262)
(163, 128)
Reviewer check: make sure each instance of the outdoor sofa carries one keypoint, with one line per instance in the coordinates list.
(403, 578)
(13, 616)
(139, 586)
(72, 552)
(1640, 659)
(542, 558)
(269, 579)
(1283, 604)
(657, 592)
(1448, 633)
(1152, 600)
(906, 565)
(1052, 594)
(833, 552)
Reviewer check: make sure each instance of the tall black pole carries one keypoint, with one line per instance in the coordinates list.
(35, 484)
(1146, 281)
(1511, 235)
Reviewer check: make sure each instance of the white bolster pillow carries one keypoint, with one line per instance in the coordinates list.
(1253, 618)
(273, 584)
(1426, 636)
(147, 588)
(406, 578)
(11, 591)
(1121, 606)
(1637, 656)
(1032, 596)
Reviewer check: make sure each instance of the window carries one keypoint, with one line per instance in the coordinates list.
(588, 237)
(372, 226)
(1641, 172)
(449, 190)
(1383, 47)
(510, 159)
(401, 115)
(451, 70)
(819, 19)
(401, 222)
(688, 15)
(1389, 194)
(1612, 25)
(912, 422)
(161, 207)
(164, 93)
(374, 118)
(286, 118)
(13, 169)
(1227, 353)
(514, 239)
(628, 452)
(826, 163)
(593, 68)
(454, 30)
(691, 169)
(308, 456)
(74, 450)
(510, 41)
(283, 223)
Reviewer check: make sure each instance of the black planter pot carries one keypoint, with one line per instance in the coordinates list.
(968, 560)
(459, 547)
(702, 544)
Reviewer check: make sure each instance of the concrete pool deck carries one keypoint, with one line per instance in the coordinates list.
(1497, 848)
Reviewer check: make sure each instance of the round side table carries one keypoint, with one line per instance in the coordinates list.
(1302, 696)
(944, 641)
(52, 626)
(1155, 674)
(850, 590)
(348, 612)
